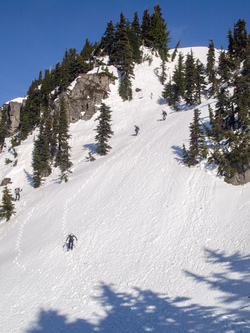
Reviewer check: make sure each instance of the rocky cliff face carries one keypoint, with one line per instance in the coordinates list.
(242, 176)
(82, 99)
(14, 108)
(85, 94)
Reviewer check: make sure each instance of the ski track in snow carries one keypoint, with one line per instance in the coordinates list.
(102, 166)
(19, 239)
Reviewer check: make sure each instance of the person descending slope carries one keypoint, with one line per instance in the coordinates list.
(137, 130)
(164, 115)
(70, 239)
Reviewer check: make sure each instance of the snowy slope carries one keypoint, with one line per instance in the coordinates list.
(162, 247)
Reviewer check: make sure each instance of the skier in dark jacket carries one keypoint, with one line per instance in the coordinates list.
(136, 129)
(71, 239)
(164, 115)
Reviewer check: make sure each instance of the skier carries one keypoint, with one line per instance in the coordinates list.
(71, 238)
(164, 115)
(137, 130)
(17, 192)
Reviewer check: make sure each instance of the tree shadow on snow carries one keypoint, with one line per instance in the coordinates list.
(162, 101)
(233, 281)
(52, 321)
(91, 147)
(147, 311)
(178, 152)
(29, 178)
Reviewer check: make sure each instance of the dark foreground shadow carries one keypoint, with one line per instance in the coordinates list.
(146, 311)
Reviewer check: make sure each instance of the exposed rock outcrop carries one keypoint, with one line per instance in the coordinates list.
(85, 94)
(241, 177)
(14, 109)
(82, 99)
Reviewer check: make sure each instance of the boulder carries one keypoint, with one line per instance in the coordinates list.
(6, 181)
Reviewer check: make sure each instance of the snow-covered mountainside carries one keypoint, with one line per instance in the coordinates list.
(161, 247)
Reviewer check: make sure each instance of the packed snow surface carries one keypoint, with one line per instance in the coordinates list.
(161, 247)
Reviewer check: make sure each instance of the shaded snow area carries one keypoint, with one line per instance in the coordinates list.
(161, 247)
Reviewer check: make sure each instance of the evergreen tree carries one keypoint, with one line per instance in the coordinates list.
(79, 64)
(54, 135)
(200, 83)
(46, 88)
(175, 50)
(179, 79)
(163, 76)
(63, 157)
(103, 130)
(215, 132)
(121, 44)
(197, 148)
(107, 41)
(190, 78)
(145, 29)
(125, 87)
(73, 64)
(229, 122)
(134, 35)
(224, 68)
(240, 39)
(241, 96)
(30, 113)
(122, 57)
(56, 73)
(87, 51)
(233, 157)
(210, 70)
(223, 109)
(65, 77)
(4, 127)
(238, 42)
(41, 156)
(36, 164)
(136, 26)
(230, 43)
(175, 89)
(159, 35)
(7, 207)
(169, 93)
